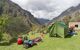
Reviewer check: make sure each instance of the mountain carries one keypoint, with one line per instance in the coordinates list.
(43, 21)
(73, 12)
(19, 20)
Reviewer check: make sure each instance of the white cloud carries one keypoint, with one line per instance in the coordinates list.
(47, 9)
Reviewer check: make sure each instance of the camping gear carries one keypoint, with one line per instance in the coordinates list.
(29, 43)
(37, 39)
(58, 29)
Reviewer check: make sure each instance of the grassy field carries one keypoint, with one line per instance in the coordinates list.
(48, 43)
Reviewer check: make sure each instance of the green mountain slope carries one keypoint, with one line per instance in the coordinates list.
(19, 20)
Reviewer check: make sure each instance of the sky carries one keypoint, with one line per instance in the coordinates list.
(47, 9)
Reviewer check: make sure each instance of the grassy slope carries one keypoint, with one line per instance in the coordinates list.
(50, 44)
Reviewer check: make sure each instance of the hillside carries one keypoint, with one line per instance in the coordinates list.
(73, 12)
(19, 20)
(43, 21)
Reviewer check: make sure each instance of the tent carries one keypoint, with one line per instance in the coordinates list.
(58, 29)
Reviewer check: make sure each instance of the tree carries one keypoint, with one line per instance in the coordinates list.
(3, 21)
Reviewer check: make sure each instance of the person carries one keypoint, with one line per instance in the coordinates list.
(28, 43)
(71, 31)
(42, 35)
(25, 42)
(32, 36)
(19, 40)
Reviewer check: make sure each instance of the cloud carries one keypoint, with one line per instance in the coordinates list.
(47, 9)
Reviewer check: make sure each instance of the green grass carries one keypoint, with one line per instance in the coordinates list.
(48, 43)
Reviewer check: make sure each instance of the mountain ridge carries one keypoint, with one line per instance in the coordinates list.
(73, 12)
(20, 20)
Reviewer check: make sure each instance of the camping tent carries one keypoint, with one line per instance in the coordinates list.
(58, 29)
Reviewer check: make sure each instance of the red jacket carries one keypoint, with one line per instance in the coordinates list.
(19, 41)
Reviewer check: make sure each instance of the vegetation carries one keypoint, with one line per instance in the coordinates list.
(50, 44)
(12, 26)
(3, 22)
(14, 20)
(18, 21)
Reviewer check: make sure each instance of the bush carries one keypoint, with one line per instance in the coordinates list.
(6, 37)
(1, 36)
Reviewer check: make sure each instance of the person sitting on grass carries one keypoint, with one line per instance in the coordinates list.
(28, 43)
(19, 40)
(25, 42)
(32, 36)
(42, 35)
(71, 31)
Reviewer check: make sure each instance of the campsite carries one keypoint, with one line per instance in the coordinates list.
(39, 25)
(48, 43)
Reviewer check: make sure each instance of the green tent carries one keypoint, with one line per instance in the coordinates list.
(58, 29)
